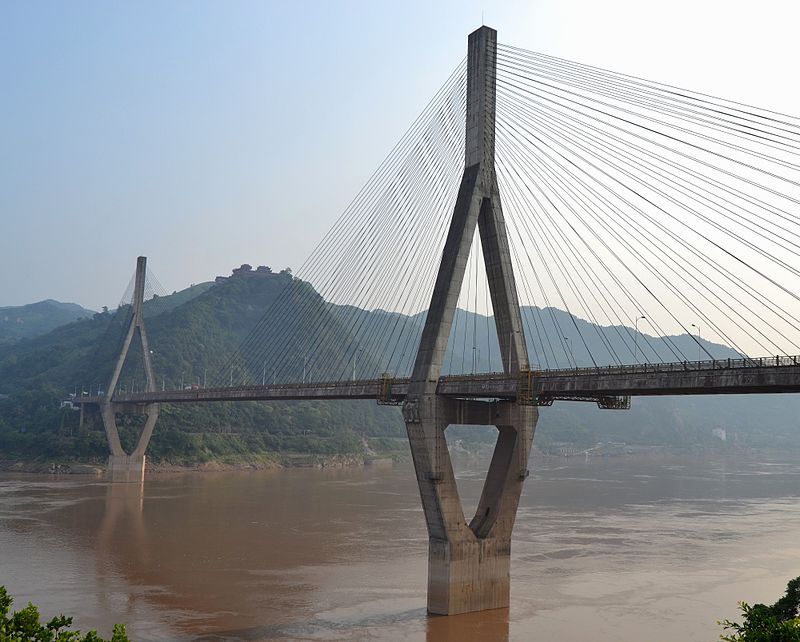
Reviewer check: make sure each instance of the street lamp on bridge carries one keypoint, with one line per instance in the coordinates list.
(568, 351)
(636, 337)
(699, 345)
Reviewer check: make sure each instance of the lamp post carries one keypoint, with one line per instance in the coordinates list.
(699, 346)
(355, 354)
(570, 356)
(305, 361)
(635, 339)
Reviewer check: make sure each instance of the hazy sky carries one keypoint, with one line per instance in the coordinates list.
(208, 134)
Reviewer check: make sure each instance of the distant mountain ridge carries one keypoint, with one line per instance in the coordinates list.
(34, 319)
(192, 332)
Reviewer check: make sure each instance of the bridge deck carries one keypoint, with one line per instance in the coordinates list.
(728, 376)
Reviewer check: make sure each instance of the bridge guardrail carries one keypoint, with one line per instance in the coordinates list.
(384, 388)
(648, 368)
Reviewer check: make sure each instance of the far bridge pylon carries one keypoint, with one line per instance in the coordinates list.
(124, 466)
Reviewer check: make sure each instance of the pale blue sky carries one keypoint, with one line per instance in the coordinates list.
(208, 134)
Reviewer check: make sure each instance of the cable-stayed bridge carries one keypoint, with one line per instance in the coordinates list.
(527, 183)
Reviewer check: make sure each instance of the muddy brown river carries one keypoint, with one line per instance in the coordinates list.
(641, 548)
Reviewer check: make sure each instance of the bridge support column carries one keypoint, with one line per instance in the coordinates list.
(124, 467)
(469, 563)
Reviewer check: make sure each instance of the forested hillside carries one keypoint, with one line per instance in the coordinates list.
(34, 319)
(194, 332)
(190, 342)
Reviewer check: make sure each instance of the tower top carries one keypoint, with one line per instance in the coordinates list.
(481, 87)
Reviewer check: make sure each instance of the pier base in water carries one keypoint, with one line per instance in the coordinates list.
(468, 576)
(126, 468)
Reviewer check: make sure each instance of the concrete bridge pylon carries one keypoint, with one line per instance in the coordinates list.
(122, 466)
(469, 563)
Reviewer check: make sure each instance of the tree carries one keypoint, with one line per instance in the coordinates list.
(777, 623)
(24, 626)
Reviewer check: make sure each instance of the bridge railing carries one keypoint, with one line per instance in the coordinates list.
(644, 368)
(387, 387)
(679, 366)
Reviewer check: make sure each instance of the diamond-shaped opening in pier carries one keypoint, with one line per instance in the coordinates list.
(471, 448)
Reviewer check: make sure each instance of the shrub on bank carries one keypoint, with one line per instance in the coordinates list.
(24, 626)
(777, 623)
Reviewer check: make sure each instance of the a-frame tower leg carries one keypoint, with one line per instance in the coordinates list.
(468, 564)
(124, 467)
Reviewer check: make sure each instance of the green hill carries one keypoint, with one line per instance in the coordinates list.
(192, 332)
(34, 319)
(190, 337)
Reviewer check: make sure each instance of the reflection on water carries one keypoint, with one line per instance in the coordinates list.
(604, 549)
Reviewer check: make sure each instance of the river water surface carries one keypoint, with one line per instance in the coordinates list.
(606, 549)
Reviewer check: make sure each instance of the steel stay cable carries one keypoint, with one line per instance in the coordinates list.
(568, 75)
(428, 266)
(601, 333)
(515, 200)
(587, 287)
(784, 214)
(521, 274)
(359, 240)
(434, 205)
(669, 88)
(542, 230)
(762, 227)
(735, 282)
(661, 160)
(546, 266)
(671, 346)
(668, 136)
(689, 273)
(521, 278)
(722, 249)
(381, 304)
(356, 244)
(683, 130)
(352, 211)
(632, 97)
(629, 220)
(421, 188)
(645, 262)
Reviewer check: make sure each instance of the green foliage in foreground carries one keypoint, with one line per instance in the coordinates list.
(777, 623)
(24, 626)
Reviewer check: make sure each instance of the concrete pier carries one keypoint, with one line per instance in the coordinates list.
(469, 563)
(124, 467)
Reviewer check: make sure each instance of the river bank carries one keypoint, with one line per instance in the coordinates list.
(255, 462)
(459, 450)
